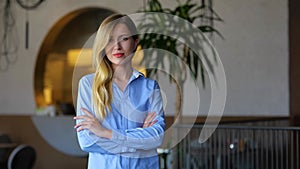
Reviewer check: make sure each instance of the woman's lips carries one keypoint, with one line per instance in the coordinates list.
(118, 55)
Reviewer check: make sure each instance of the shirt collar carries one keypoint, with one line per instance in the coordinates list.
(136, 73)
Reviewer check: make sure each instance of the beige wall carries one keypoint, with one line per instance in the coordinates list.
(16, 87)
(254, 54)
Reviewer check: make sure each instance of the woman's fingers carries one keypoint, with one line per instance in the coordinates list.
(86, 123)
(86, 116)
(83, 118)
(152, 123)
(80, 126)
(149, 121)
(150, 117)
(86, 120)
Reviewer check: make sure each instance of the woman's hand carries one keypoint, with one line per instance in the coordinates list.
(88, 121)
(149, 121)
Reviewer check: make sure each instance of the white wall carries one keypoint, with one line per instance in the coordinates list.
(254, 54)
(255, 59)
(16, 86)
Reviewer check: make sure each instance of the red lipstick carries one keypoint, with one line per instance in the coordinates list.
(118, 55)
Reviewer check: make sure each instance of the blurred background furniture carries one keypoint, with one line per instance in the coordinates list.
(5, 145)
(22, 157)
(14, 156)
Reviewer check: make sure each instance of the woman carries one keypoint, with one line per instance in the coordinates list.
(120, 118)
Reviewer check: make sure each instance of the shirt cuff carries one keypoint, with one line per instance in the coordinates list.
(128, 149)
(118, 137)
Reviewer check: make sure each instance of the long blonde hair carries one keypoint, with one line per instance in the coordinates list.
(102, 84)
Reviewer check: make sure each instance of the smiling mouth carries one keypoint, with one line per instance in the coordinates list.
(118, 55)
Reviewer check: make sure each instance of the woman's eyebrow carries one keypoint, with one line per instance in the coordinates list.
(122, 35)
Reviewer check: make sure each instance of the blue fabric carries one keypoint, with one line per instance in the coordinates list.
(131, 145)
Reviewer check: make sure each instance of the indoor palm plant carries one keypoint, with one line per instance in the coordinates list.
(200, 15)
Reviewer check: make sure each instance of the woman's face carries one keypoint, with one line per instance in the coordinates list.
(121, 45)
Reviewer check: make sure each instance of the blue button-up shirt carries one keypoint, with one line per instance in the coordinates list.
(131, 146)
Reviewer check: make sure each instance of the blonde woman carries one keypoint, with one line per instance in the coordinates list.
(120, 118)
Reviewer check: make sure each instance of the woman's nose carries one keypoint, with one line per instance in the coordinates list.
(117, 45)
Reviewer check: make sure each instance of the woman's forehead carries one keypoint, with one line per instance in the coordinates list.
(120, 30)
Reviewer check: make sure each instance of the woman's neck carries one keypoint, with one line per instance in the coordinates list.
(122, 72)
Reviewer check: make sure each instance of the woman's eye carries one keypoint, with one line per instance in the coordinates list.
(125, 38)
(110, 40)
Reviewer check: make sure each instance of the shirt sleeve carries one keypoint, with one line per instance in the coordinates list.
(88, 141)
(145, 138)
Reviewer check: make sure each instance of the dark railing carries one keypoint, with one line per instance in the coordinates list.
(240, 147)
